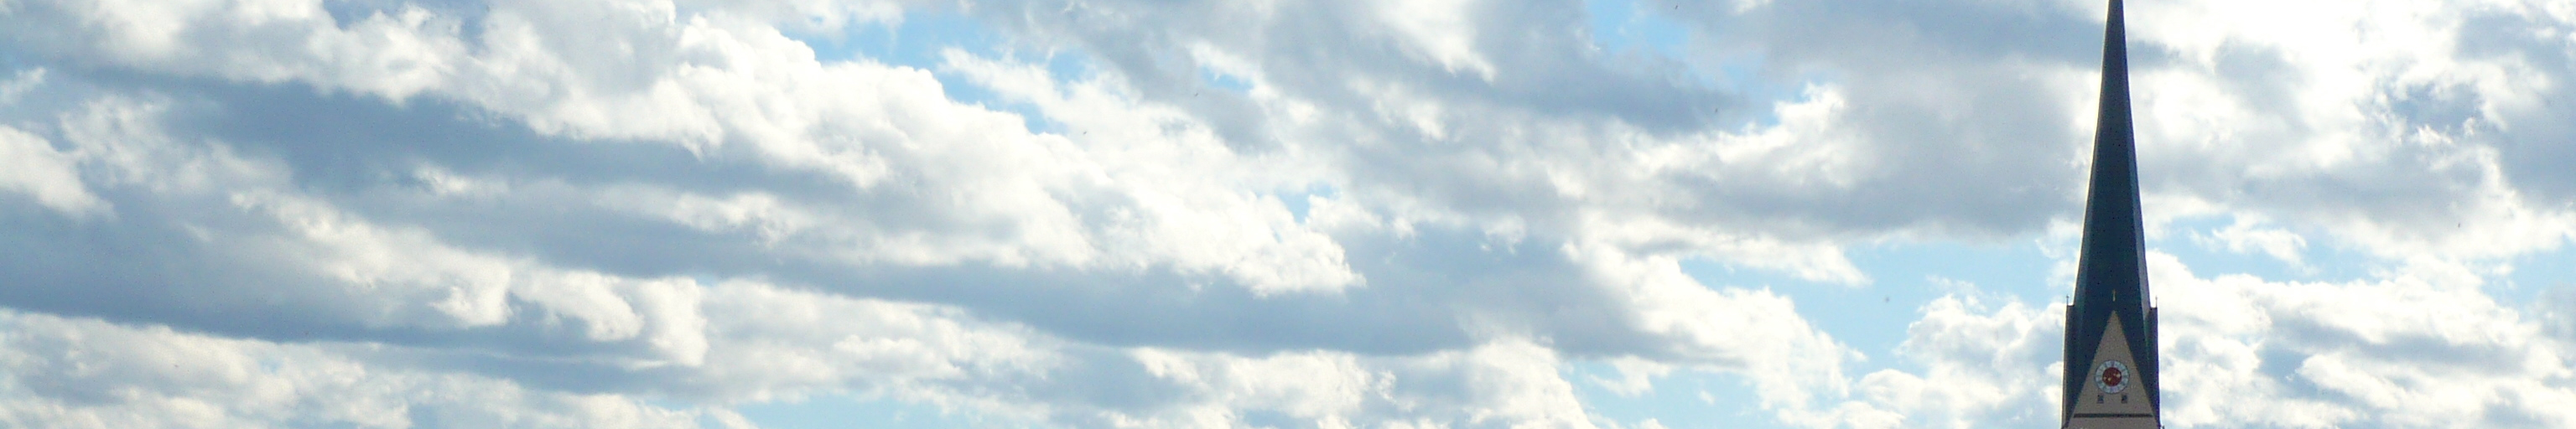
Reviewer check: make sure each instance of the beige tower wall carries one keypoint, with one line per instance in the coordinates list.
(2107, 406)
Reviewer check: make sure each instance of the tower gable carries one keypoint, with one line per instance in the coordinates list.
(2114, 393)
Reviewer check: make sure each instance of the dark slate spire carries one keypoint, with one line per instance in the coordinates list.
(2111, 277)
(2114, 263)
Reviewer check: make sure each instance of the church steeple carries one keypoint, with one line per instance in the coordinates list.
(2111, 360)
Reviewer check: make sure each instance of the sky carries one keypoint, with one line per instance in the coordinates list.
(1181, 214)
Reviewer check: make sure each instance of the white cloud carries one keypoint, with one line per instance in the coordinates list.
(774, 343)
(1981, 364)
(16, 86)
(1439, 31)
(989, 190)
(815, 16)
(2246, 235)
(1636, 376)
(1410, 214)
(86, 373)
(2381, 123)
(445, 311)
(2420, 345)
(1755, 332)
(338, 269)
(37, 171)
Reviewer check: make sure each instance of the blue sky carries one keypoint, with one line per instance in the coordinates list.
(1114, 213)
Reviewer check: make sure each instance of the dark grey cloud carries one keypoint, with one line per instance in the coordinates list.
(368, 161)
(1956, 134)
(360, 154)
(2530, 139)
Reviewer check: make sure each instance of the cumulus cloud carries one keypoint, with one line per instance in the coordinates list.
(2422, 345)
(1984, 364)
(2419, 345)
(1343, 213)
(87, 373)
(264, 221)
(2247, 235)
(2393, 123)
(39, 172)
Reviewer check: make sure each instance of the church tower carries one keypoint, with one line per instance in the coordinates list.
(2111, 376)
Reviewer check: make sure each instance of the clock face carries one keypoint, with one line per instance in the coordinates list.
(2113, 377)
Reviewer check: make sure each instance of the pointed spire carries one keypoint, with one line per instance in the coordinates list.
(2113, 265)
(2111, 276)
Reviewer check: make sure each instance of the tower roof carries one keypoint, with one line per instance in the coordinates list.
(2113, 264)
(2111, 276)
